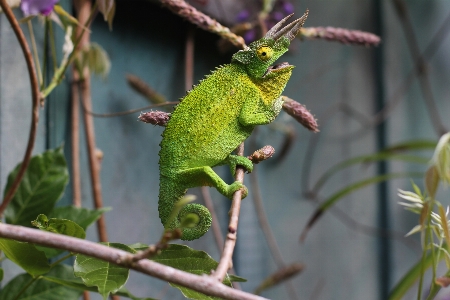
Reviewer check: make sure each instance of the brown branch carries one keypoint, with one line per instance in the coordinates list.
(216, 226)
(203, 284)
(225, 262)
(35, 103)
(84, 11)
(75, 141)
(127, 112)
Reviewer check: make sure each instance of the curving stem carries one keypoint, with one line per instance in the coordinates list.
(35, 98)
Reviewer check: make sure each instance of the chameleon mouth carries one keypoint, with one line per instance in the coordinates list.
(276, 68)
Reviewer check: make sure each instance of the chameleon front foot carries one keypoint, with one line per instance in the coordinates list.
(233, 160)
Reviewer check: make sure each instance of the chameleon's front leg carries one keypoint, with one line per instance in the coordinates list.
(258, 113)
(234, 160)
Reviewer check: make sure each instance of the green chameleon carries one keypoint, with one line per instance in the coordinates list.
(214, 118)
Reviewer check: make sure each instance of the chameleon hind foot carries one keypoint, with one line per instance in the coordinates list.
(237, 186)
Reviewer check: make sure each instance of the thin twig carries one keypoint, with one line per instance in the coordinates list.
(421, 67)
(35, 102)
(75, 140)
(189, 59)
(203, 284)
(127, 112)
(84, 12)
(225, 262)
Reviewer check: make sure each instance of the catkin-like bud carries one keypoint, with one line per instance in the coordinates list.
(262, 154)
(341, 35)
(300, 113)
(156, 117)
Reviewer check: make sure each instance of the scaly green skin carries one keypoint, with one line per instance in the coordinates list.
(211, 121)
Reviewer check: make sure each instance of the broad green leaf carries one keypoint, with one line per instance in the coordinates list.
(96, 59)
(330, 201)
(41, 289)
(76, 283)
(42, 185)
(108, 277)
(189, 260)
(82, 216)
(26, 256)
(60, 226)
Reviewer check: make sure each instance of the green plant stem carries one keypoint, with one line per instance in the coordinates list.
(26, 287)
(54, 264)
(35, 51)
(52, 44)
(59, 74)
(44, 60)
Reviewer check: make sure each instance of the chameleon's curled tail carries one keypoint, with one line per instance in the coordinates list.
(199, 216)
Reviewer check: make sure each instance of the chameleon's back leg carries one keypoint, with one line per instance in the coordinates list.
(205, 176)
(174, 187)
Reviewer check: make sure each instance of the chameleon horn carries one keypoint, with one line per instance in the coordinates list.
(290, 30)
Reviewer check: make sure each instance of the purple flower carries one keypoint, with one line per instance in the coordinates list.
(34, 7)
(288, 8)
(243, 15)
(250, 36)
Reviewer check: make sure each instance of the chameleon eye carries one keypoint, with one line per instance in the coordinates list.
(264, 53)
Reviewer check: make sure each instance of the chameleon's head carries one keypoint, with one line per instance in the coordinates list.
(259, 56)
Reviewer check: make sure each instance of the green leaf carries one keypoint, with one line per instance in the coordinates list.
(60, 226)
(82, 216)
(364, 159)
(96, 59)
(42, 185)
(2, 273)
(138, 246)
(410, 278)
(108, 9)
(109, 278)
(26, 256)
(183, 258)
(41, 289)
(235, 278)
(432, 181)
(76, 283)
